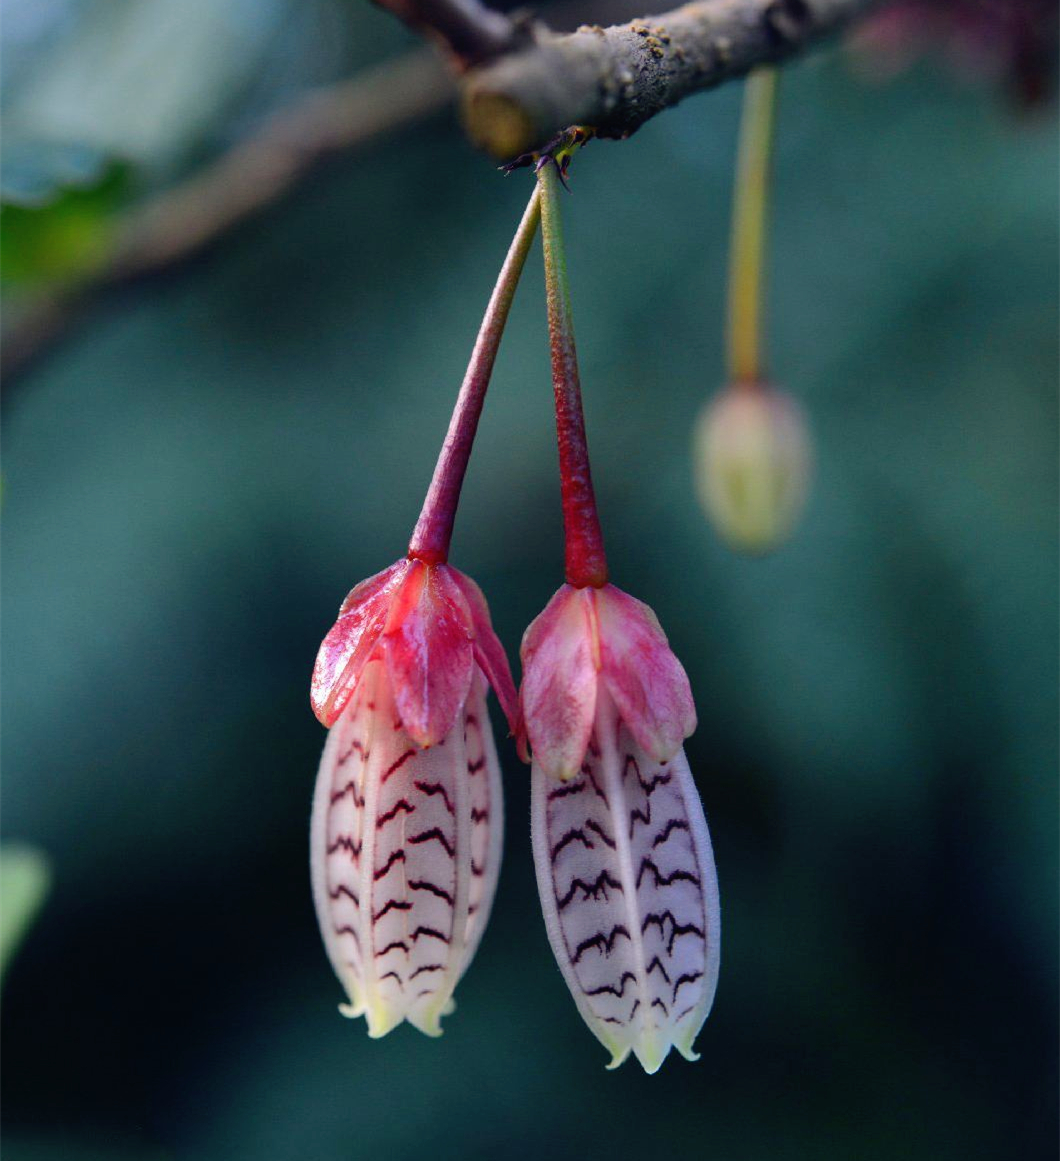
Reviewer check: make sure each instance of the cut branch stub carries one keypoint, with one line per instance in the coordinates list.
(614, 79)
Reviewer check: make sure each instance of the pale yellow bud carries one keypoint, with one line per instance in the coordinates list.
(752, 459)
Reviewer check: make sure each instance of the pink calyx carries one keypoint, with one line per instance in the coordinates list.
(585, 636)
(432, 626)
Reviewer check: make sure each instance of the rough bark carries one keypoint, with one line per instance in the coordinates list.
(614, 79)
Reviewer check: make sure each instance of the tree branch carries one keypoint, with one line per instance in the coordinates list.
(614, 79)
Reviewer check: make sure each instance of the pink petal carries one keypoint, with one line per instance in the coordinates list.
(642, 674)
(428, 637)
(489, 652)
(558, 694)
(351, 641)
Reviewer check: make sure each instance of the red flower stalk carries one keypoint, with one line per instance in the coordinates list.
(585, 560)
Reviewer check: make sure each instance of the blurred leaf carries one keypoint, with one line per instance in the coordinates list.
(24, 878)
(68, 231)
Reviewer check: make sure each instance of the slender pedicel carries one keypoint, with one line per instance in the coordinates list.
(586, 563)
(749, 224)
(434, 529)
(407, 814)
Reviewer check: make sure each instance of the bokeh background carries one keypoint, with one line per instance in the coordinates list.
(199, 463)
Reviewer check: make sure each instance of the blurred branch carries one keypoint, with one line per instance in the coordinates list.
(527, 84)
(470, 31)
(178, 223)
(614, 79)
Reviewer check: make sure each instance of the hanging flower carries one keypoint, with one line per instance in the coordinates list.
(407, 815)
(624, 864)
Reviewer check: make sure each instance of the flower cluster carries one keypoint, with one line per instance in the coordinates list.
(407, 816)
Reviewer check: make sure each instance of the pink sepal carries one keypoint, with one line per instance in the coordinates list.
(346, 649)
(587, 635)
(431, 624)
(489, 652)
(648, 683)
(429, 638)
(558, 694)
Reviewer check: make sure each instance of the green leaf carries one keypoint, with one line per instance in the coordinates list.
(25, 875)
(64, 232)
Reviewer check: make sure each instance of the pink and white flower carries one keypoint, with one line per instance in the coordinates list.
(407, 815)
(624, 863)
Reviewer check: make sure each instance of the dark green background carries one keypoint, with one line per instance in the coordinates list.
(196, 475)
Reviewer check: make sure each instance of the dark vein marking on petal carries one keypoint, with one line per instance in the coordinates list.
(346, 929)
(397, 945)
(427, 967)
(395, 766)
(397, 856)
(593, 825)
(392, 975)
(433, 932)
(601, 942)
(575, 834)
(475, 767)
(590, 890)
(345, 842)
(657, 963)
(636, 814)
(612, 989)
(351, 789)
(687, 978)
(434, 833)
(342, 889)
(661, 880)
(401, 805)
(651, 784)
(575, 786)
(667, 830)
(441, 892)
(657, 1003)
(597, 788)
(676, 929)
(356, 746)
(391, 905)
(432, 788)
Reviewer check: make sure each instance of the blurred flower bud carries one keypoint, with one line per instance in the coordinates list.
(752, 458)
